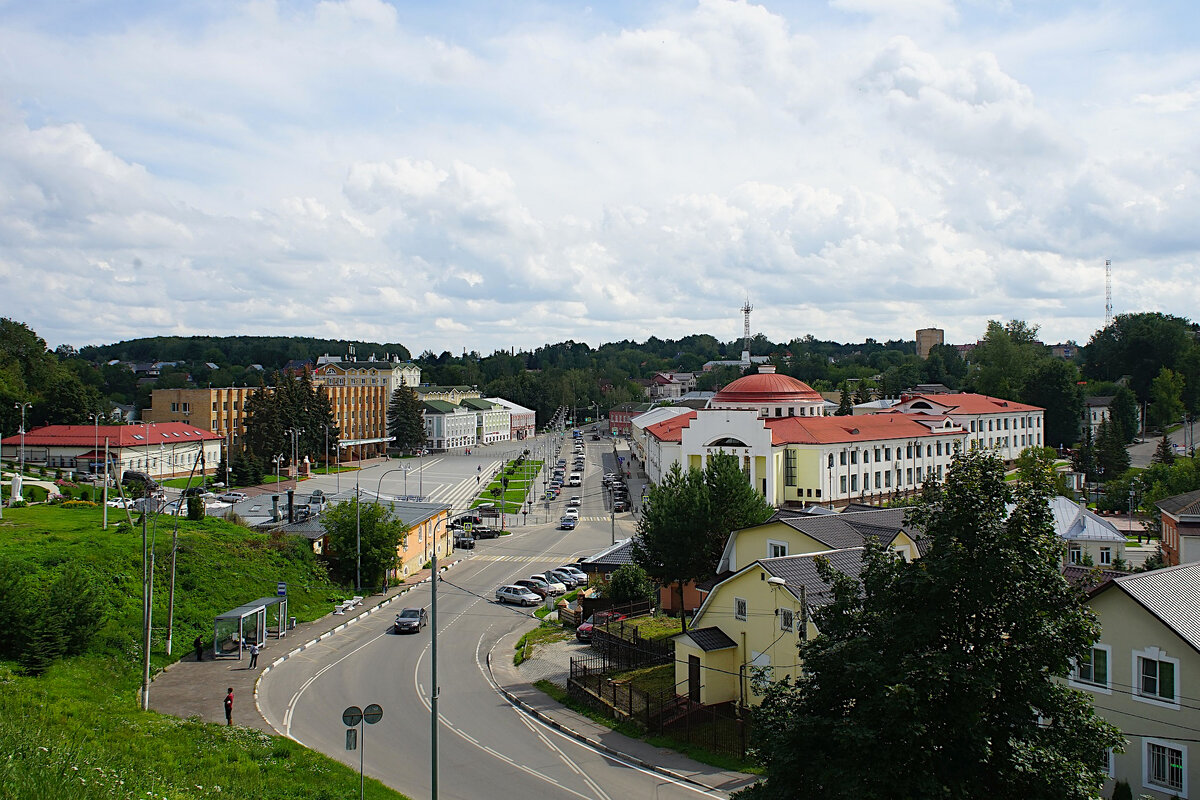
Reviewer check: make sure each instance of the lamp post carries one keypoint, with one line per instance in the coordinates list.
(24, 404)
(278, 459)
(95, 417)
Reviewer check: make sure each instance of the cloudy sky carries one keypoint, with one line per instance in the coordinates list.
(504, 174)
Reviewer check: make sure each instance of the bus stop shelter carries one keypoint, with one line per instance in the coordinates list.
(248, 624)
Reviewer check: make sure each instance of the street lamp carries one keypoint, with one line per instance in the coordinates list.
(95, 417)
(278, 460)
(24, 404)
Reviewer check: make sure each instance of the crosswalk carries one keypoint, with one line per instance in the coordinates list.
(459, 495)
(521, 559)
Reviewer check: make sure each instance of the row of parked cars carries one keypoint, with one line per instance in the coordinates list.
(537, 587)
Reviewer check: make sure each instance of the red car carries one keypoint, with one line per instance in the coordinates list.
(584, 632)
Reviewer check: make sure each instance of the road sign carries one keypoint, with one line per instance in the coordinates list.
(491, 512)
(352, 716)
(281, 589)
(467, 526)
(351, 738)
(373, 713)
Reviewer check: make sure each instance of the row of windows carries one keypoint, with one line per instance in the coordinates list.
(884, 453)
(1026, 422)
(883, 480)
(805, 411)
(1155, 675)
(1075, 552)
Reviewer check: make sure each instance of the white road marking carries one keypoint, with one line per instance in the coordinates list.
(288, 712)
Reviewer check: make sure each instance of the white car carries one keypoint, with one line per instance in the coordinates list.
(518, 595)
(573, 513)
(554, 584)
(579, 575)
(232, 497)
(120, 502)
(574, 501)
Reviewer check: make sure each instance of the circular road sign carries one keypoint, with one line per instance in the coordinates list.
(352, 716)
(373, 713)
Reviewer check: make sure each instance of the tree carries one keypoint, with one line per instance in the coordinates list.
(1164, 453)
(630, 584)
(845, 402)
(1003, 359)
(1166, 398)
(406, 424)
(681, 536)
(381, 535)
(1112, 459)
(1123, 410)
(864, 392)
(960, 650)
(1084, 459)
(1053, 385)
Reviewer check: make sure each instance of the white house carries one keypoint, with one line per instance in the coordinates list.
(1005, 426)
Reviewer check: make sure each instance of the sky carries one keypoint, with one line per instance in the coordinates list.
(489, 175)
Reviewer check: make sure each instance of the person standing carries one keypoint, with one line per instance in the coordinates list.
(229, 707)
(199, 645)
(253, 655)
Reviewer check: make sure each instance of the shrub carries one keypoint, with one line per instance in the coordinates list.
(1122, 791)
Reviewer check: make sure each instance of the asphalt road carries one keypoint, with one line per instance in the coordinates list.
(486, 747)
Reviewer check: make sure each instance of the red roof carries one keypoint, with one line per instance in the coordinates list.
(828, 430)
(118, 435)
(671, 430)
(967, 403)
(766, 387)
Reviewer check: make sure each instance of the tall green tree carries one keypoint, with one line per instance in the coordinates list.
(1164, 453)
(374, 536)
(1053, 385)
(961, 651)
(1123, 410)
(1003, 359)
(845, 402)
(1112, 459)
(406, 424)
(1084, 458)
(1138, 346)
(1166, 398)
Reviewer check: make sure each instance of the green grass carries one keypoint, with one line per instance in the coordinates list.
(656, 627)
(634, 731)
(545, 633)
(77, 730)
(652, 680)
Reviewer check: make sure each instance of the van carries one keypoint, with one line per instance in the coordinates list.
(575, 480)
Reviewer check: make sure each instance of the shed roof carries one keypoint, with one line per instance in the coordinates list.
(711, 638)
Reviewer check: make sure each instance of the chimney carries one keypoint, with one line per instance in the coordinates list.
(291, 505)
(275, 508)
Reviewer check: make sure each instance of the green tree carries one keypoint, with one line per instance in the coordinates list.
(960, 650)
(1084, 458)
(406, 424)
(1123, 410)
(1112, 459)
(1003, 359)
(630, 584)
(845, 402)
(1053, 385)
(1166, 398)
(1164, 453)
(864, 392)
(1138, 346)
(381, 535)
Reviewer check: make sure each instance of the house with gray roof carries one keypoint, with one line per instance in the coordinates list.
(1180, 517)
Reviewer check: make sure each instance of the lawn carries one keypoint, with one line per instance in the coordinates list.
(655, 627)
(77, 731)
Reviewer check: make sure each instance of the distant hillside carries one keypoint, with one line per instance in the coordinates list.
(270, 351)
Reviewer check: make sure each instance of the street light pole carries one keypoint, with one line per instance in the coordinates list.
(24, 404)
(357, 536)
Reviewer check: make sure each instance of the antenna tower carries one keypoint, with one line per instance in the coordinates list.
(746, 309)
(1107, 292)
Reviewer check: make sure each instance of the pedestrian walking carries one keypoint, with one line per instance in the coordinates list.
(253, 655)
(229, 707)
(199, 645)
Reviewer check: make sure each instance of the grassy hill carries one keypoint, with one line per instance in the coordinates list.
(76, 731)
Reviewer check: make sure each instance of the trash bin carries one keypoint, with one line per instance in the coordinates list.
(291, 623)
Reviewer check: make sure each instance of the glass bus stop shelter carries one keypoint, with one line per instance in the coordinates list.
(237, 629)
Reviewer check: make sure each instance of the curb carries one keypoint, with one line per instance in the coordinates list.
(590, 742)
(362, 615)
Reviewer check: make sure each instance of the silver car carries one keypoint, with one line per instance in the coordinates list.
(518, 595)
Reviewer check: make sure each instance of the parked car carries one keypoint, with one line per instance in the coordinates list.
(198, 491)
(581, 577)
(533, 586)
(554, 582)
(565, 578)
(584, 632)
(546, 586)
(458, 521)
(464, 541)
(410, 620)
(517, 595)
(567, 524)
(232, 497)
(485, 533)
(120, 502)
(620, 505)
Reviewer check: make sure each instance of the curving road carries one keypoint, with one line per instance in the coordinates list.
(487, 748)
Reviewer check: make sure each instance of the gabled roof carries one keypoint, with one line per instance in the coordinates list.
(1171, 595)
(1099, 401)
(968, 403)
(801, 571)
(479, 404)
(709, 639)
(657, 415)
(1074, 522)
(835, 531)
(1186, 504)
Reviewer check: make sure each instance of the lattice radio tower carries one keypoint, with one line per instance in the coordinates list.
(1107, 292)
(746, 309)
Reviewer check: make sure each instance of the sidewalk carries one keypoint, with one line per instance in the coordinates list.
(188, 688)
(516, 684)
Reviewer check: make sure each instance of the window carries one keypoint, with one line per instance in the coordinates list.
(1075, 553)
(831, 460)
(887, 480)
(739, 608)
(908, 476)
(866, 456)
(854, 482)
(877, 484)
(789, 467)
(1105, 556)
(1092, 669)
(1156, 677)
(842, 480)
(939, 448)
(776, 549)
(853, 456)
(1164, 766)
(174, 406)
(786, 621)
(842, 458)
(909, 451)
(918, 474)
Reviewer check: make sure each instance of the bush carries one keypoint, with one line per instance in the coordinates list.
(1122, 791)
(629, 584)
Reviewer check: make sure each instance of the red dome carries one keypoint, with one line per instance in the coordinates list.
(764, 388)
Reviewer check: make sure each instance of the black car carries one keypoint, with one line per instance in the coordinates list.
(410, 620)
(464, 541)
(485, 533)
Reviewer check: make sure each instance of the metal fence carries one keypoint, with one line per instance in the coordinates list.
(717, 729)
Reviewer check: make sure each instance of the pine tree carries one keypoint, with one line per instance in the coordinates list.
(845, 403)
(1084, 459)
(1112, 459)
(1164, 453)
(406, 423)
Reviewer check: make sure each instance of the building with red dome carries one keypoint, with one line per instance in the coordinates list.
(771, 395)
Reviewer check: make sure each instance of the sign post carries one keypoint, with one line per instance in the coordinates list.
(354, 718)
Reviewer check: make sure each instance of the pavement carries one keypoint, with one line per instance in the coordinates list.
(552, 662)
(191, 688)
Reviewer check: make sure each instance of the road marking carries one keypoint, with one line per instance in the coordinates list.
(287, 714)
